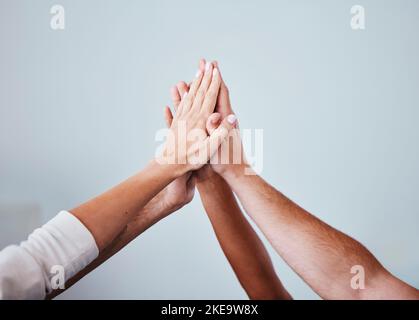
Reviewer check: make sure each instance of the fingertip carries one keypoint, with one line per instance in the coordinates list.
(208, 66)
(182, 87)
(202, 63)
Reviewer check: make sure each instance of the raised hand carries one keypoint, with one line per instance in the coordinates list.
(189, 146)
(230, 155)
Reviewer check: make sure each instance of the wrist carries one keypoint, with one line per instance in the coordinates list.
(236, 171)
(173, 171)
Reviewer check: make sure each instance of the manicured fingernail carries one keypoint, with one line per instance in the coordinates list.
(184, 95)
(207, 66)
(198, 74)
(232, 119)
(214, 71)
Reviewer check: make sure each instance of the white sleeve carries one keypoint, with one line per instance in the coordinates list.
(62, 244)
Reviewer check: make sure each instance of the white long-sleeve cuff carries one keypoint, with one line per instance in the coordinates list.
(63, 244)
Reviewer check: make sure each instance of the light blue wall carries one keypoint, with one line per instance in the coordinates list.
(79, 109)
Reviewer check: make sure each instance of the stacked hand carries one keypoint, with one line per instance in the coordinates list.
(202, 110)
(189, 145)
(229, 156)
(203, 145)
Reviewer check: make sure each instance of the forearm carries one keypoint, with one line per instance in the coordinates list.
(320, 254)
(153, 212)
(106, 215)
(239, 242)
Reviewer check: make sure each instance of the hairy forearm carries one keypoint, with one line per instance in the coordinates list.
(320, 254)
(239, 242)
(153, 212)
(107, 215)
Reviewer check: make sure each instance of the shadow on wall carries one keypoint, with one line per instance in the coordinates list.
(17, 221)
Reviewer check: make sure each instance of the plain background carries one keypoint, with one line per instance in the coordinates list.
(79, 110)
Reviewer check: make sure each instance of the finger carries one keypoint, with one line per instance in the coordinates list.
(175, 96)
(202, 63)
(213, 122)
(223, 87)
(203, 88)
(223, 104)
(224, 94)
(216, 65)
(182, 87)
(168, 116)
(214, 141)
(189, 97)
(210, 100)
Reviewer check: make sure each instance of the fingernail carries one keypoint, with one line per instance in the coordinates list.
(184, 95)
(214, 71)
(232, 119)
(198, 74)
(207, 66)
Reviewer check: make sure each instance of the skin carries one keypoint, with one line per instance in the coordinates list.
(117, 216)
(107, 215)
(239, 242)
(321, 255)
(172, 198)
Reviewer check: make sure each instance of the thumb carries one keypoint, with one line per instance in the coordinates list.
(213, 122)
(218, 136)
